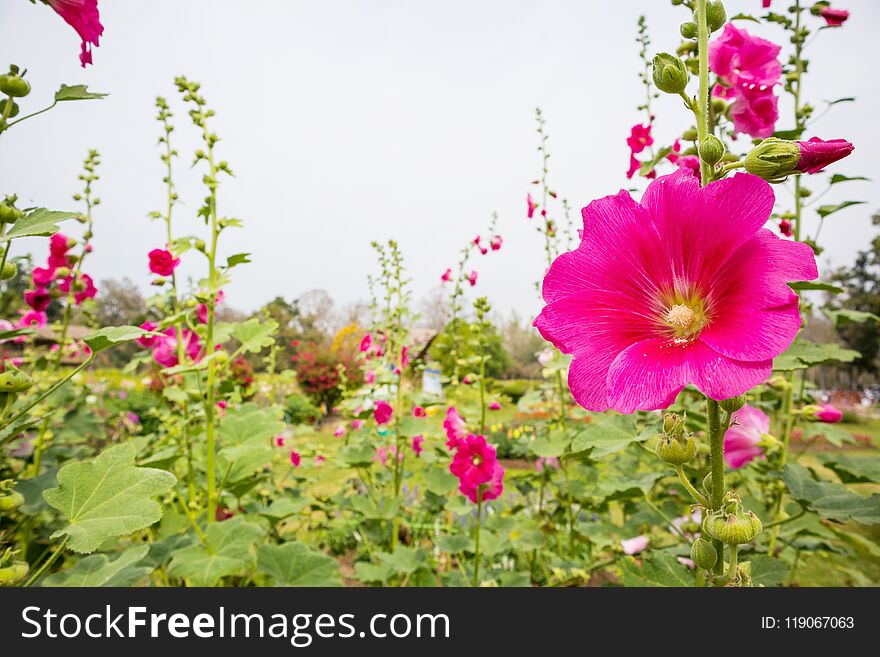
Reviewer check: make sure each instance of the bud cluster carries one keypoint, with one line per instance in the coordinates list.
(675, 445)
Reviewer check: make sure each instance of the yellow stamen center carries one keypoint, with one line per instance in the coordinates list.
(681, 316)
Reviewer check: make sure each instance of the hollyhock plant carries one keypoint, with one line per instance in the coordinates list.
(82, 16)
(683, 287)
(828, 413)
(834, 17)
(382, 412)
(742, 442)
(162, 262)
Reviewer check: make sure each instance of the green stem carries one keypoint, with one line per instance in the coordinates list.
(716, 463)
(699, 497)
(477, 536)
(482, 388)
(702, 109)
(29, 116)
(36, 576)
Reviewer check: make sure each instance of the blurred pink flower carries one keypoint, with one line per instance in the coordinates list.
(455, 428)
(202, 308)
(417, 444)
(742, 440)
(295, 459)
(366, 341)
(148, 341)
(369, 376)
(340, 431)
(418, 411)
(356, 424)
(42, 276)
(532, 205)
(165, 351)
(472, 278)
(546, 462)
(447, 276)
(634, 545)
(829, 414)
(382, 412)
(834, 17)
(785, 227)
(38, 298)
(494, 406)
(32, 319)
(279, 441)
(495, 242)
(82, 16)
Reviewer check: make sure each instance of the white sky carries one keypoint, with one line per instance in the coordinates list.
(351, 121)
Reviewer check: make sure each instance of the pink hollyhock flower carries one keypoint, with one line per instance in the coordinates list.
(32, 319)
(484, 250)
(279, 441)
(366, 341)
(221, 406)
(738, 57)
(472, 278)
(42, 276)
(418, 411)
(38, 299)
(447, 276)
(834, 17)
(356, 424)
(495, 242)
(546, 462)
(785, 227)
(634, 545)
(87, 292)
(82, 16)
(467, 380)
(816, 154)
(417, 444)
(340, 431)
(477, 241)
(684, 287)
(455, 428)
(165, 351)
(486, 491)
(295, 459)
(383, 412)
(829, 414)
(148, 341)
(495, 406)
(532, 205)
(755, 111)
(319, 459)
(639, 138)
(634, 166)
(474, 460)
(766, 3)
(369, 376)
(742, 440)
(689, 163)
(60, 244)
(162, 262)
(202, 308)
(404, 357)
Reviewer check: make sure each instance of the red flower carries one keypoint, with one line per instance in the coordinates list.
(834, 17)
(162, 262)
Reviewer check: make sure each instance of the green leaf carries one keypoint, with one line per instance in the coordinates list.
(826, 210)
(844, 316)
(39, 222)
(98, 570)
(795, 133)
(744, 17)
(386, 509)
(296, 564)
(284, 508)
(368, 572)
(802, 286)
(828, 499)
(229, 551)
(255, 335)
(847, 99)
(404, 560)
(606, 434)
(237, 259)
(453, 543)
(32, 490)
(551, 445)
(440, 481)
(768, 571)
(839, 178)
(648, 166)
(108, 336)
(802, 354)
(76, 92)
(852, 469)
(245, 435)
(357, 456)
(658, 569)
(107, 497)
(832, 433)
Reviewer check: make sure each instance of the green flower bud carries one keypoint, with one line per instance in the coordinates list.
(13, 380)
(689, 135)
(773, 159)
(718, 105)
(10, 269)
(670, 73)
(716, 16)
(704, 554)
(14, 85)
(13, 573)
(688, 30)
(200, 245)
(732, 525)
(11, 500)
(711, 150)
(733, 404)
(9, 214)
(673, 424)
(676, 451)
(13, 111)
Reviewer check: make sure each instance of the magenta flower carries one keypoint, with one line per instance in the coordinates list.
(38, 298)
(495, 242)
(369, 376)
(356, 424)
(447, 276)
(532, 206)
(295, 459)
(488, 490)
(417, 444)
(816, 154)
(60, 244)
(366, 341)
(162, 262)
(319, 459)
(639, 138)
(494, 406)
(32, 319)
(634, 166)
(148, 341)
(340, 432)
(685, 287)
(829, 414)
(472, 278)
(634, 545)
(165, 351)
(689, 163)
(834, 17)
(755, 111)
(82, 16)
(383, 412)
(418, 411)
(455, 428)
(785, 227)
(743, 438)
(42, 276)
(475, 464)
(404, 357)
(279, 441)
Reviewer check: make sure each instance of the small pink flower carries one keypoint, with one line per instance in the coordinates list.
(455, 428)
(829, 414)
(356, 424)
(834, 17)
(532, 205)
(494, 406)
(785, 227)
(476, 466)
(295, 459)
(743, 438)
(418, 411)
(417, 444)
(369, 376)
(221, 406)
(366, 341)
(148, 341)
(279, 441)
(38, 299)
(467, 380)
(477, 241)
(33, 319)
(82, 16)
(340, 431)
(472, 278)
(319, 459)
(447, 276)
(816, 154)
(495, 242)
(383, 412)
(639, 138)
(162, 262)
(42, 276)
(634, 545)
(634, 166)
(404, 357)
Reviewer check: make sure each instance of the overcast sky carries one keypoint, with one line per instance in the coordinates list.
(347, 122)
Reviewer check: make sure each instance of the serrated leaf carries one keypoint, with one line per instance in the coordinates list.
(76, 92)
(107, 497)
(32, 490)
(453, 543)
(768, 571)
(237, 259)
(440, 481)
(99, 570)
(852, 469)
(385, 509)
(606, 434)
(245, 435)
(551, 444)
(368, 572)
(826, 210)
(658, 569)
(229, 551)
(39, 222)
(255, 335)
(845, 316)
(357, 456)
(284, 508)
(830, 500)
(830, 432)
(108, 336)
(802, 354)
(839, 178)
(404, 560)
(296, 564)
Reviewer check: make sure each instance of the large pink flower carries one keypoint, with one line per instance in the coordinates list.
(162, 262)
(82, 16)
(38, 298)
(743, 438)
(755, 111)
(684, 287)
(488, 490)
(475, 464)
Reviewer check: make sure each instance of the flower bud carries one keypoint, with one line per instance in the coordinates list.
(13, 110)
(716, 16)
(673, 424)
(773, 159)
(688, 30)
(10, 269)
(689, 135)
(711, 150)
(733, 404)
(816, 154)
(718, 105)
(732, 525)
(14, 85)
(13, 573)
(676, 451)
(670, 73)
(13, 380)
(9, 214)
(704, 554)
(10, 500)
